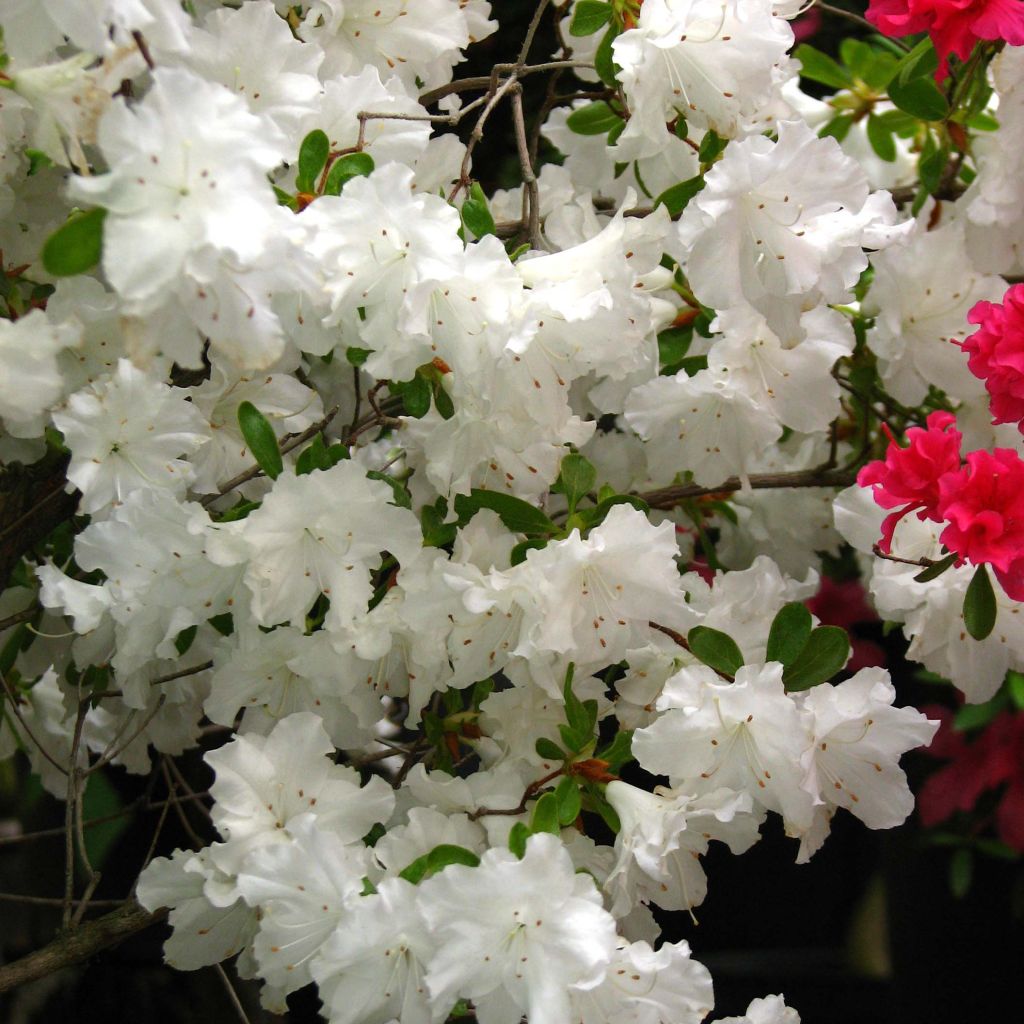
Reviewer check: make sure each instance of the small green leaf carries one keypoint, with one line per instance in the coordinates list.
(576, 479)
(589, 17)
(676, 198)
(593, 119)
(673, 344)
(936, 570)
(976, 716)
(931, 166)
(437, 860)
(980, 605)
(881, 139)
(76, 246)
(313, 153)
(319, 456)
(416, 395)
(260, 437)
(920, 97)
(545, 815)
(524, 547)
(183, 641)
(604, 63)
(1015, 688)
(436, 532)
(790, 631)
(357, 356)
(819, 67)
(711, 146)
(961, 872)
(838, 127)
(574, 741)
(519, 516)
(476, 215)
(825, 655)
(517, 837)
(919, 63)
(716, 649)
(618, 752)
(37, 161)
(549, 750)
(344, 169)
(567, 797)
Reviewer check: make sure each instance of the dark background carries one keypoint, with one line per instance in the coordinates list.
(868, 931)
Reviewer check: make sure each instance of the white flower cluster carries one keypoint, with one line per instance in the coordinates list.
(531, 478)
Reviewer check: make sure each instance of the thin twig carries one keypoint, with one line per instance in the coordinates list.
(182, 673)
(109, 755)
(531, 790)
(70, 807)
(13, 700)
(55, 901)
(19, 617)
(232, 994)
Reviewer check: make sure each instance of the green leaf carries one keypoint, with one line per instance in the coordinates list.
(593, 119)
(881, 139)
(183, 641)
(604, 64)
(673, 344)
(436, 532)
(517, 837)
(76, 246)
(976, 716)
(1015, 688)
(919, 63)
(567, 798)
(545, 815)
(416, 395)
(589, 17)
(576, 479)
(437, 860)
(789, 633)
(716, 649)
(931, 166)
(344, 169)
(961, 872)
(575, 714)
(838, 128)
(574, 741)
(313, 153)
(400, 492)
(676, 198)
(319, 456)
(920, 97)
(826, 654)
(37, 161)
(980, 605)
(100, 800)
(819, 67)
(549, 750)
(357, 356)
(711, 146)
(476, 214)
(936, 570)
(260, 437)
(524, 547)
(618, 752)
(519, 516)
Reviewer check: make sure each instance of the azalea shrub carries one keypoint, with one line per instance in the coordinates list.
(480, 540)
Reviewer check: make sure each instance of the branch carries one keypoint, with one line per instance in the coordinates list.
(73, 948)
(669, 497)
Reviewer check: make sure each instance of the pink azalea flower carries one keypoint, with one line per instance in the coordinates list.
(908, 478)
(996, 353)
(994, 758)
(954, 25)
(983, 503)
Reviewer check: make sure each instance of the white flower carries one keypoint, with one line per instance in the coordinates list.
(769, 1010)
(129, 432)
(321, 533)
(647, 987)
(515, 935)
(920, 296)
(747, 735)
(858, 739)
(263, 783)
(718, 63)
(664, 834)
(781, 226)
(370, 971)
(30, 378)
(303, 890)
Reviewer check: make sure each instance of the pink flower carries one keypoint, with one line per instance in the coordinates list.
(994, 758)
(983, 503)
(908, 478)
(954, 25)
(996, 353)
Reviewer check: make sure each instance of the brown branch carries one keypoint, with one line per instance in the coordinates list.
(75, 947)
(669, 497)
(19, 617)
(531, 790)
